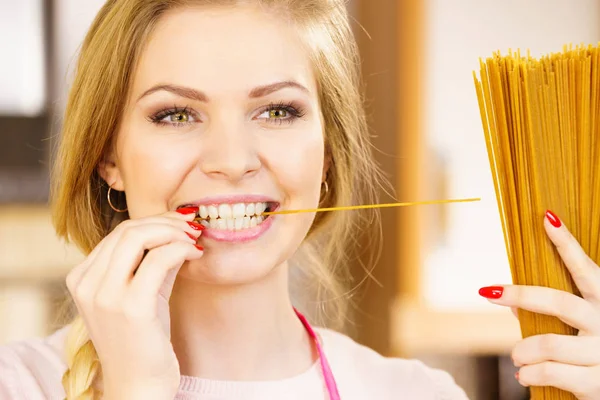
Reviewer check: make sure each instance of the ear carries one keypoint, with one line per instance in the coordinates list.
(109, 171)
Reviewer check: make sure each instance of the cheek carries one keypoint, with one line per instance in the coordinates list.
(152, 170)
(297, 163)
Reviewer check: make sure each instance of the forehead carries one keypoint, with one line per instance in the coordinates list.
(223, 49)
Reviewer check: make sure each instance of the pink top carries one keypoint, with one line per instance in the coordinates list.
(32, 370)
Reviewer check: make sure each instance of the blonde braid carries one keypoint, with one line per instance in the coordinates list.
(83, 364)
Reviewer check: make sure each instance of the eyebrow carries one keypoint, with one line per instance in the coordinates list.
(200, 96)
(181, 91)
(262, 91)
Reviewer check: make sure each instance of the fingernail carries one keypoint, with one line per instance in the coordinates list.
(199, 247)
(194, 238)
(517, 375)
(491, 292)
(554, 220)
(187, 210)
(196, 226)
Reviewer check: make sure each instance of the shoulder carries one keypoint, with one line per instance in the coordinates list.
(33, 368)
(359, 369)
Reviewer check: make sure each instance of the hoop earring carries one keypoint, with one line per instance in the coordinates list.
(326, 187)
(115, 209)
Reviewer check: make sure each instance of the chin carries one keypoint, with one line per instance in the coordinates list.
(229, 269)
(250, 261)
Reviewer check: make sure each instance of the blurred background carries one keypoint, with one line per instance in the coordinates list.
(418, 59)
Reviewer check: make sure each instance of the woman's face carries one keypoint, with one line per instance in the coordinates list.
(224, 113)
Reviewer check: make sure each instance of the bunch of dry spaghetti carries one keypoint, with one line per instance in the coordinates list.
(542, 128)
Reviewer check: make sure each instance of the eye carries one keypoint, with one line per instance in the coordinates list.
(174, 116)
(279, 113)
(274, 112)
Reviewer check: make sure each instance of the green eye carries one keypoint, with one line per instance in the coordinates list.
(277, 113)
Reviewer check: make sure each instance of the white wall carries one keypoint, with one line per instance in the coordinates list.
(22, 63)
(459, 33)
(73, 19)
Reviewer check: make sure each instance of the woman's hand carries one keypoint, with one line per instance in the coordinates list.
(122, 292)
(571, 363)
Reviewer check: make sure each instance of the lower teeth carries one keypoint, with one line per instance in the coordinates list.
(233, 224)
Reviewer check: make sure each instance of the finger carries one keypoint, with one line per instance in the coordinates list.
(97, 265)
(572, 378)
(157, 273)
(150, 290)
(571, 309)
(187, 212)
(575, 350)
(584, 271)
(182, 221)
(88, 275)
(74, 276)
(85, 278)
(130, 249)
(515, 311)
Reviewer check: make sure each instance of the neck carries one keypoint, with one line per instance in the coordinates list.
(244, 332)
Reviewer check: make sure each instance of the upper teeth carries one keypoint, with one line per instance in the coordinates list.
(237, 210)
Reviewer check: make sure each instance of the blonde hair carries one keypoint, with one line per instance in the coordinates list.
(101, 83)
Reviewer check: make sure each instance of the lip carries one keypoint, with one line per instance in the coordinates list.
(230, 199)
(241, 236)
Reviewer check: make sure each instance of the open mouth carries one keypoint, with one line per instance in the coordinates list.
(235, 217)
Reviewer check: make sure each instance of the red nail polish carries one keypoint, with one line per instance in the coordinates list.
(196, 226)
(199, 247)
(491, 292)
(194, 238)
(554, 220)
(187, 210)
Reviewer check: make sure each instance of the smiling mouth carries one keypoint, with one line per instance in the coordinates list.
(234, 217)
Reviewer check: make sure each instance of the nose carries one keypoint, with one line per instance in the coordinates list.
(229, 152)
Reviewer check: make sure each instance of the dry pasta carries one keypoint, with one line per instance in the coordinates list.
(542, 130)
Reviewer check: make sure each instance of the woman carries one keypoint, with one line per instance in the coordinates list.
(224, 110)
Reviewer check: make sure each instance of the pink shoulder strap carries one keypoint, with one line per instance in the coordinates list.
(327, 374)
